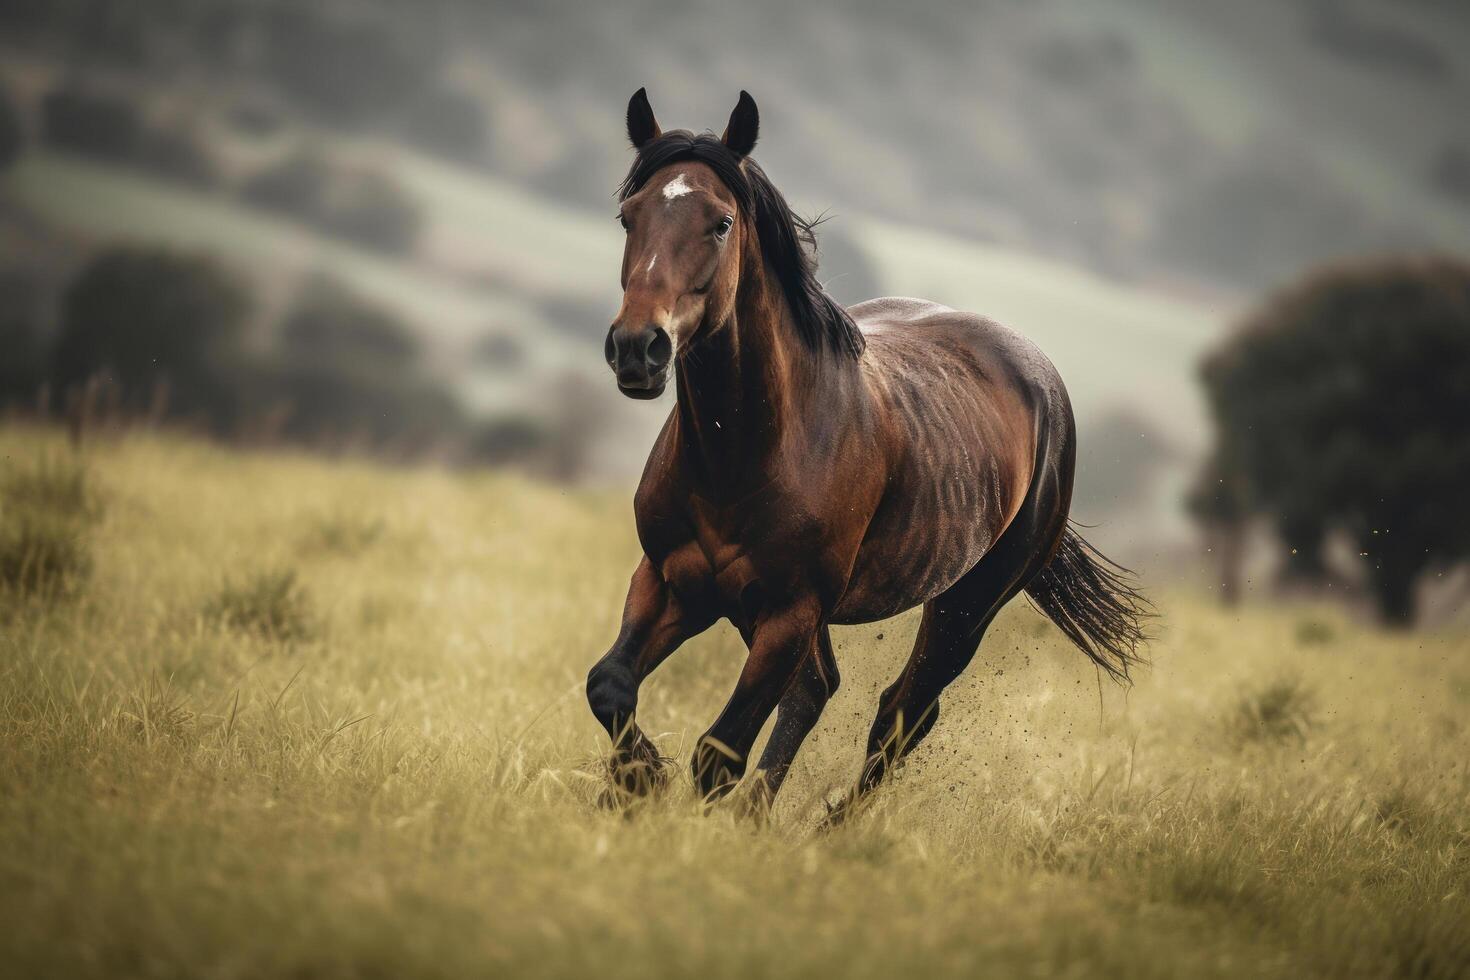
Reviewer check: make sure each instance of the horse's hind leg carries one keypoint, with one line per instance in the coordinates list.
(816, 681)
(954, 623)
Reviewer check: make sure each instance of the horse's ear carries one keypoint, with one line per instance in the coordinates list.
(642, 127)
(744, 127)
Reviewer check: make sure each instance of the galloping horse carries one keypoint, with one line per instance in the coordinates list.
(822, 466)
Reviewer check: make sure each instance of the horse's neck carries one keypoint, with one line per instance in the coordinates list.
(740, 387)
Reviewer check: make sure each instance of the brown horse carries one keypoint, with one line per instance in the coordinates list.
(822, 466)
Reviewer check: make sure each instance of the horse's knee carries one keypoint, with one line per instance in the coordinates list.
(612, 693)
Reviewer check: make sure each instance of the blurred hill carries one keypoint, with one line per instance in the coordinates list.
(1152, 140)
(1112, 180)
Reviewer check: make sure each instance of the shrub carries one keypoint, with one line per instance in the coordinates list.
(343, 533)
(47, 510)
(157, 712)
(269, 604)
(42, 553)
(1280, 710)
(54, 482)
(1314, 632)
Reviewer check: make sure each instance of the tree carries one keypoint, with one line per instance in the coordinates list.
(91, 124)
(12, 132)
(143, 318)
(345, 371)
(22, 366)
(1343, 402)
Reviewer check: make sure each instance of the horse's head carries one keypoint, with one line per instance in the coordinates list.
(685, 228)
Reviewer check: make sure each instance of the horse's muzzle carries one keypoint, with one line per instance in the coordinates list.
(640, 359)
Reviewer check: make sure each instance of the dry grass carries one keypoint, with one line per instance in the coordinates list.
(409, 789)
(269, 603)
(48, 505)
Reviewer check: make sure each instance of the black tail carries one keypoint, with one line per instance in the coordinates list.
(1093, 601)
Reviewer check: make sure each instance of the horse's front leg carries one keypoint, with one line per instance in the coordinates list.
(655, 622)
(779, 643)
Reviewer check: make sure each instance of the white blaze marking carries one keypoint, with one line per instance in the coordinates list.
(651, 262)
(676, 188)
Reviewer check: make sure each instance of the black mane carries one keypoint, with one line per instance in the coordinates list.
(787, 240)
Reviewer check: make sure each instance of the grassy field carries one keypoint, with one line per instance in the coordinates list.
(262, 715)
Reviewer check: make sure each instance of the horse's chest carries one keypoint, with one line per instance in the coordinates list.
(717, 576)
(725, 553)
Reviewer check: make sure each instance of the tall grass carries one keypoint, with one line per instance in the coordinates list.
(412, 789)
(47, 509)
(269, 603)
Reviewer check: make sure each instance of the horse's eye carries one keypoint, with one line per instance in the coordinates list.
(623, 220)
(723, 228)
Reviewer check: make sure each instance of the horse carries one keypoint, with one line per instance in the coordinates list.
(822, 466)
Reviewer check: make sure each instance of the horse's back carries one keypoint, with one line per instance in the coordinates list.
(970, 407)
(904, 328)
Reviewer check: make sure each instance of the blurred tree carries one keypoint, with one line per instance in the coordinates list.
(146, 319)
(511, 440)
(1343, 403)
(296, 185)
(22, 366)
(91, 124)
(12, 132)
(346, 370)
(1303, 534)
(177, 153)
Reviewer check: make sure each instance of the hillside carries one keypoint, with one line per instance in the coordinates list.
(523, 264)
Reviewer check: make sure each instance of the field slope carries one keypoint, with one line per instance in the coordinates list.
(298, 718)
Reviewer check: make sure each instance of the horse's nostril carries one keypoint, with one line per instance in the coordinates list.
(610, 349)
(660, 348)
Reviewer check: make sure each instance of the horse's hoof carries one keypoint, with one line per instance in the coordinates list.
(716, 769)
(755, 803)
(841, 812)
(634, 772)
